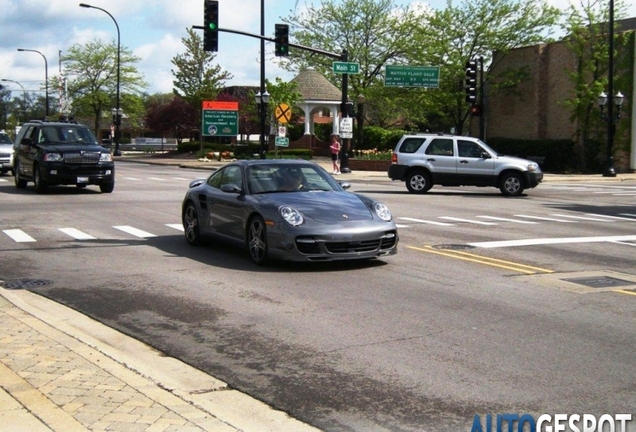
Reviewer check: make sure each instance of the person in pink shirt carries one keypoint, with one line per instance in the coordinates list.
(335, 153)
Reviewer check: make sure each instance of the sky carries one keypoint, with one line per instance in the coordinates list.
(152, 29)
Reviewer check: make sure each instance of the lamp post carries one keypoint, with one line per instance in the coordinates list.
(611, 118)
(611, 128)
(262, 100)
(23, 93)
(263, 95)
(360, 118)
(46, 77)
(118, 116)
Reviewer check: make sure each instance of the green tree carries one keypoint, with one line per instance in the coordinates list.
(373, 32)
(472, 29)
(196, 77)
(91, 73)
(587, 28)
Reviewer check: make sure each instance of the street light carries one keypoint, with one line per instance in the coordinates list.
(611, 123)
(611, 118)
(46, 77)
(360, 118)
(262, 100)
(118, 118)
(23, 93)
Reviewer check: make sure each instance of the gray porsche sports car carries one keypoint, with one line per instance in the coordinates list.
(287, 209)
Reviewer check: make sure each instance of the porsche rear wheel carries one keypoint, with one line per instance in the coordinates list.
(257, 240)
(191, 225)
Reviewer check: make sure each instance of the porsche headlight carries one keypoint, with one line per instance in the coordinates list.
(382, 211)
(291, 215)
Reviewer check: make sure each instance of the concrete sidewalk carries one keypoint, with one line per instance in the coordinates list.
(62, 371)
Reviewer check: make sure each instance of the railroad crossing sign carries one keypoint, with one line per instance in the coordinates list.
(283, 113)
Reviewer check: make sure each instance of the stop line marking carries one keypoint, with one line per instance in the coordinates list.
(548, 241)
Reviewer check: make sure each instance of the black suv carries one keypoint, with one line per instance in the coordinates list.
(56, 153)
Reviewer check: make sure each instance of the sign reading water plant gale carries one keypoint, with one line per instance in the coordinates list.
(411, 76)
(219, 118)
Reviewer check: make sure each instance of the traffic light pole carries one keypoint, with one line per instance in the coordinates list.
(482, 105)
(342, 57)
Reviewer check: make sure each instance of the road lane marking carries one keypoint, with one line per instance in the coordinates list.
(156, 178)
(625, 292)
(467, 220)
(178, 227)
(493, 262)
(545, 218)
(77, 234)
(506, 219)
(426, 221)
(579, 217)
(612, 217)
(549, 241)
(19, 236)
(132, 178)
(134, 231)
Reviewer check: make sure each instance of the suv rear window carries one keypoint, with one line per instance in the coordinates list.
(411, 145)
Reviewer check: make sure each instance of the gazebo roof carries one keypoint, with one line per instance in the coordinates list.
(315, 87)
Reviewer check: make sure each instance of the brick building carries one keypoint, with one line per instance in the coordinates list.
(535, 110)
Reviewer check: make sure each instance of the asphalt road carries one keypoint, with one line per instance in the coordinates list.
(457, 324)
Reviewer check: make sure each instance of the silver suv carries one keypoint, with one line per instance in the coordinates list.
(424, 160)
(6, 153)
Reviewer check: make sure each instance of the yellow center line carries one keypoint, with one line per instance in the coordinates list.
(625, 292)
(521, 268)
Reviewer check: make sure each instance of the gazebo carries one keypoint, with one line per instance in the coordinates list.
(317, 93)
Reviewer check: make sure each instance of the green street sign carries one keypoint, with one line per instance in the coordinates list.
(346, 67)
(282, 142)
(411, 76)
(220, 123)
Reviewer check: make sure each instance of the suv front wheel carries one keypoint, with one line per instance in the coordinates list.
(418, 182)
(40, 184)
(19, 183)
(511, 184)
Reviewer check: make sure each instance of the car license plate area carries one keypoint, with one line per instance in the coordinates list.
(82, 180)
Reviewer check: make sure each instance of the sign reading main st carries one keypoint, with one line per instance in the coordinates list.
(346, 67)
(219, 118)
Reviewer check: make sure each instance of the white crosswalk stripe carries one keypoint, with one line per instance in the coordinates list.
(77, 234)
(178, 227)
(134, 231)
(19, 236)
(422, 221)
(545, 218)
(580, 217)
(466, 220)
(506, 219)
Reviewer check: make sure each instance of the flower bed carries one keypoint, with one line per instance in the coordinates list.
(368, 165)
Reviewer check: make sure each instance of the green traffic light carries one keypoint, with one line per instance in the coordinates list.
(212, 26)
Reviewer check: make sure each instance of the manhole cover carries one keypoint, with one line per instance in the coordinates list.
(600, 281)
(453, 246)
(23, 283)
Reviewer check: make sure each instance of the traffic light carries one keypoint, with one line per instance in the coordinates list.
(475, 110)
(211, 25)
(281, 38)
(471, 82)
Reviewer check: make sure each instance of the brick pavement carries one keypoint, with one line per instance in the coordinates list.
(62, 371)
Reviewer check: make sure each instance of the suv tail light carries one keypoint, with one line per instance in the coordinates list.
(394, 158)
